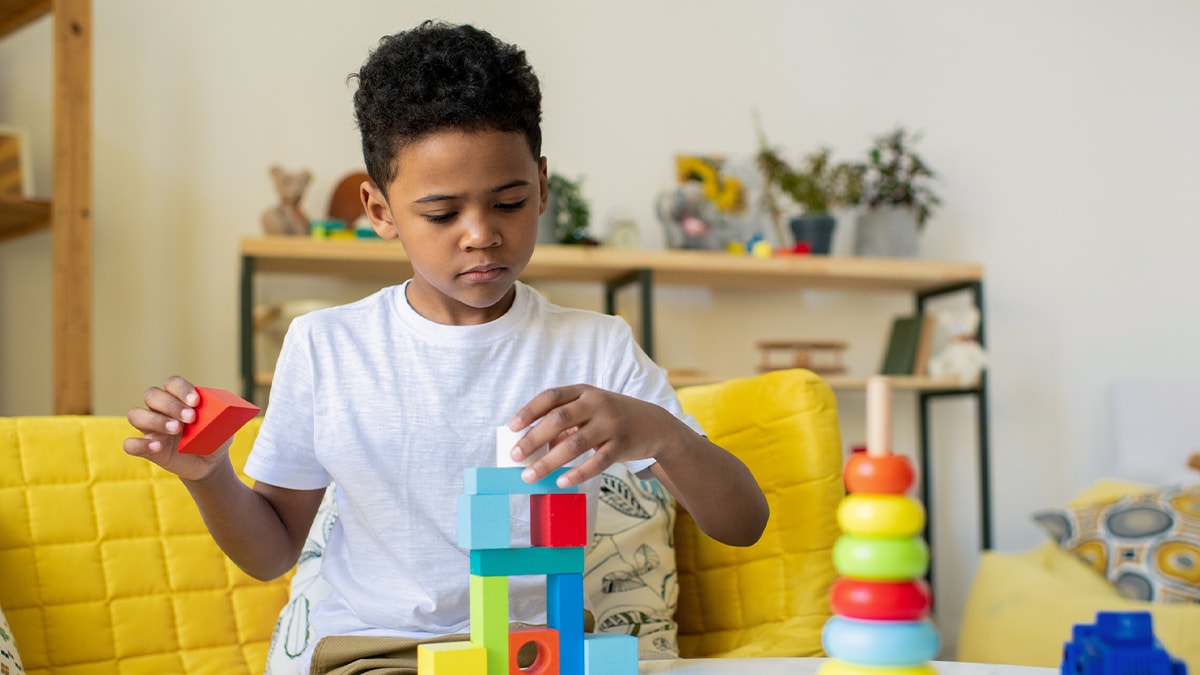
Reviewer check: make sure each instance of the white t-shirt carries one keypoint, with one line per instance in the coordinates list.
(393, 407)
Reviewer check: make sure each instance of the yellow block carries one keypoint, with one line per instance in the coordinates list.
(452, 658)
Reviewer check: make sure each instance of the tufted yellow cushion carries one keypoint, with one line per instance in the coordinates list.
(106, 566)
(770, 599)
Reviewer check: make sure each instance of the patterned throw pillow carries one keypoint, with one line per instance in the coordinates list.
(1147, 545)
(629, 572)
(10, 658)
(292, 630)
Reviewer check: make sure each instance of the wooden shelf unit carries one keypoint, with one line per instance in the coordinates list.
(372, 258)
(617, 268)
(69, 215)
(23, 216)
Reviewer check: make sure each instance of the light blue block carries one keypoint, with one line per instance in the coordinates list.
(610, 654)
(525, 561)
(483, 522)
(506, 480)
(564, 613)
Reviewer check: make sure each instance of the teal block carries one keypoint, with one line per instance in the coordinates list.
(489, 620)
(610, 654)
(564, 613)
(506, 480)
(484, 522)
(524, 561)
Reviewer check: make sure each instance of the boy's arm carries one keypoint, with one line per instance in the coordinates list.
(715, 487)
(262, 529)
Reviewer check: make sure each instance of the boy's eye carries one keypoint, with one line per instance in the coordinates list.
(439, 217)
(511, 206)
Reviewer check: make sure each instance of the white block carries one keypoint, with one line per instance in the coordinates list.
(506, 439)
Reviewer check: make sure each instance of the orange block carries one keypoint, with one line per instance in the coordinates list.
(546, 641)
(218, 416)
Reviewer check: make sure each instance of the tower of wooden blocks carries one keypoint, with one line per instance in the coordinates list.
(558, 534)
(880, 624)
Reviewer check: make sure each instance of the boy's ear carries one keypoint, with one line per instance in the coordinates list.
(544, 183)
(377, 210)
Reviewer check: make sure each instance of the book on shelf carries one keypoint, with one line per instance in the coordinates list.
(908, 345)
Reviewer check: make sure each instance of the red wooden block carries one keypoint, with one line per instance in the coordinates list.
(546, 641)
(218, 416)
(558, 520)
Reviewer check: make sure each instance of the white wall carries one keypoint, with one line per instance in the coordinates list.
(1065, 134)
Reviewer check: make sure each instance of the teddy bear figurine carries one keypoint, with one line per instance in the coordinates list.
(287, 217)
(963, 358)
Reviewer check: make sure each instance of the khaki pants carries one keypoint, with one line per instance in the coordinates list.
(370, 655)
(359, 654)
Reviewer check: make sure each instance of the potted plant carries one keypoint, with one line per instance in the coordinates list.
(816, 187)
(567, 213)
(894, 187)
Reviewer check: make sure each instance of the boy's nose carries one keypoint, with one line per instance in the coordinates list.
(480, 233)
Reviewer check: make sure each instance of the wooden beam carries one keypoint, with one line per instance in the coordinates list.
(15, 14)
(72, 209)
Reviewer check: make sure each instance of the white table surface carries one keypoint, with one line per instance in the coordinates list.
(808, 666)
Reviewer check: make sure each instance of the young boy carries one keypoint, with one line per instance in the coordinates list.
(392, 396)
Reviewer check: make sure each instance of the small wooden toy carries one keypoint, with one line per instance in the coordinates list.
(218, 416)
(880, 602)
(823, 357)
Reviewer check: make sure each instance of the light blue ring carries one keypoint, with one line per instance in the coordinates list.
(880, 643)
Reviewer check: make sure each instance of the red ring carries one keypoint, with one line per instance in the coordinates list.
(881, 600)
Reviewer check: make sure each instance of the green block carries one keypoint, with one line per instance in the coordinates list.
(489, 620)
(528, 560)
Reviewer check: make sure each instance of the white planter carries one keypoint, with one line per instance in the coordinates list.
(887, 232)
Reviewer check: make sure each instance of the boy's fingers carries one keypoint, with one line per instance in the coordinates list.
(539, 406)
(151, 422)
(147, 447)
(166, 403)
(183, 390)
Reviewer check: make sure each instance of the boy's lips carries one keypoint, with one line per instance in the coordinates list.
(483, 273)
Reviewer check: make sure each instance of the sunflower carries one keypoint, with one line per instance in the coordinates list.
(725, 192)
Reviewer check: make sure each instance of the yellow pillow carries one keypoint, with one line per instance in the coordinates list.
(1146, 543)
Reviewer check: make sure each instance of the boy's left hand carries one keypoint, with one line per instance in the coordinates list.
(578, 418)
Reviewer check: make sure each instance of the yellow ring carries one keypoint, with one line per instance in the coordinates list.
(877, 515)
(836, 667)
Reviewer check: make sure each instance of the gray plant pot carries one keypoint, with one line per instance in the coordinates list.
(887, 232)
(814, 228)
(547, 231)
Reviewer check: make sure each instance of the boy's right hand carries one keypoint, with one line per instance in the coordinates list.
(161, 422)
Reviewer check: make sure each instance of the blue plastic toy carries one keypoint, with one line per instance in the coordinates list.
(1120, 643)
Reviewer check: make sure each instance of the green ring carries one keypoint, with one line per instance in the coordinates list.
(882, 558)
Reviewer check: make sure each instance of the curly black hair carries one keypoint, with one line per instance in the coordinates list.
(442, 76)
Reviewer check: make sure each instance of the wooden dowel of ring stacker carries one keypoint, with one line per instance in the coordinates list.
(879, 416)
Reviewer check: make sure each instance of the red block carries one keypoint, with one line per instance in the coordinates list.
(546, 642)
(218, 416)
(558, 520)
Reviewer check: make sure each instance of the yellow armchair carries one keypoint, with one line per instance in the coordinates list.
(770, 599)
(106, 566)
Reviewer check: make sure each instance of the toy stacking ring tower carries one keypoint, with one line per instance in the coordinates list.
(880, 623)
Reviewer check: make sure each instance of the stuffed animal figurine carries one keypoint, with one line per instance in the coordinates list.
(287, 218)
(962, 358)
